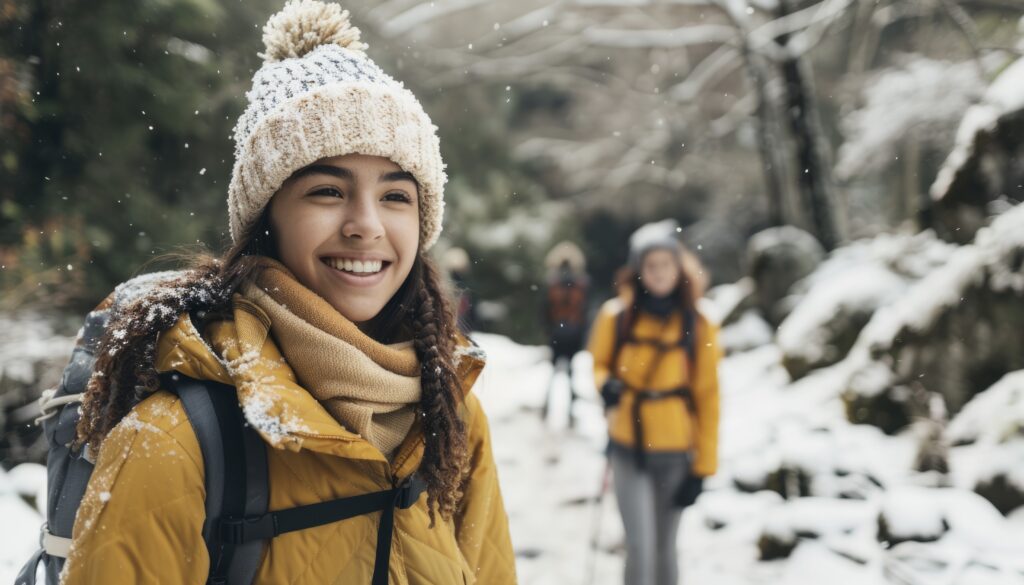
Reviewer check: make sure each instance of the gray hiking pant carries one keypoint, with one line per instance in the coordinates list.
(650, 519)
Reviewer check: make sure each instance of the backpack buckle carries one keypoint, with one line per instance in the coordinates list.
(407, 495)
(247, 528)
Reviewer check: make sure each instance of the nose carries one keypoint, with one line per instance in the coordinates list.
(362, 219)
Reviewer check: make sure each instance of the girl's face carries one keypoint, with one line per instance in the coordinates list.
(659, 272)
(348, 227)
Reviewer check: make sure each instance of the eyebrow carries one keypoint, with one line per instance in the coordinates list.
(345, 174)
(397, 176)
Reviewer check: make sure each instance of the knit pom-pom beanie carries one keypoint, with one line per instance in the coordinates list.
(318, 95)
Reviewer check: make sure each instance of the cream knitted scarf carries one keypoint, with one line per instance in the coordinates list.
(370, 388)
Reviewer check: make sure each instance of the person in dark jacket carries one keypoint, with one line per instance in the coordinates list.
(565, 314)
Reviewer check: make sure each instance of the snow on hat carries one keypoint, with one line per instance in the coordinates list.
(659, 235)
(318, 95)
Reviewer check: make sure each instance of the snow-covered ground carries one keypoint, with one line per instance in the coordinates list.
(551, 476)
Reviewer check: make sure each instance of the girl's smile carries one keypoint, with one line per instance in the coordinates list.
(357, 272)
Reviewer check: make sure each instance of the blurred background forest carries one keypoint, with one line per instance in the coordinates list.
(559, 120)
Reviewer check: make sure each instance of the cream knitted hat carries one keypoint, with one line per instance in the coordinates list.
(318, 95)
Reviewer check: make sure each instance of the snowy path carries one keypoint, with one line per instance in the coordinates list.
(550, 476)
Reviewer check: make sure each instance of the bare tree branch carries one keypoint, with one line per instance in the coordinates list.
(821, 15)
(724, 61)
(660, 39)
(963, 23)
(385, 10)
(520, 27)
(514, 66)
(741, 111)
(423, 13)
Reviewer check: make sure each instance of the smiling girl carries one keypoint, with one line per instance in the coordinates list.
(327, 319)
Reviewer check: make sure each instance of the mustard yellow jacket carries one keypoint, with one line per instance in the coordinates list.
(142, 515)
(668, 425)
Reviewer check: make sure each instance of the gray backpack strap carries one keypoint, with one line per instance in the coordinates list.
(247, 558)
(235, 466)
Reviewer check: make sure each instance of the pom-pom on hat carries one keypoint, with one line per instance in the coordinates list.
(318, 95)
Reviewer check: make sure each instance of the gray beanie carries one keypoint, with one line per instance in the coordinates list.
(659, 235)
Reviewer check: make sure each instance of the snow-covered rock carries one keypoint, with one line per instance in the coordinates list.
(1001, 476)
(983, 166)
(748, 332)
(955, 332)
(988, 438)
(994, 416)
(927, 514)
(841, 295)
(778, 258)
(909, 514)
(825, 325)
(810, 518)
(727, 303)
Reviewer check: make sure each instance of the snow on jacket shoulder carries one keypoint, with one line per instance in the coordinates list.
(143, 512)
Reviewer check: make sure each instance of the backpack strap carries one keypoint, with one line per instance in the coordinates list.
(620, 337)
(260, 527)
(688, 338)
(248, 556)
(27, 575)
(235, 467)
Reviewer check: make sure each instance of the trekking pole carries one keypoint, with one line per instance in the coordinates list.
(596, 524)
(547, 395)
(556, 369)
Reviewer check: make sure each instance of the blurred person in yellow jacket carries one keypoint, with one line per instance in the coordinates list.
(655, 363)
(326, 327)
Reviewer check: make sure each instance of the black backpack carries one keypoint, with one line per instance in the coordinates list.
(567, 303)
(687, 339)
(238, 526)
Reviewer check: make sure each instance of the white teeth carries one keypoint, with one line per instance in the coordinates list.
(356, 266)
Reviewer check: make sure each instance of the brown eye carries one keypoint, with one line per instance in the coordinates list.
(397, 196)
(327, 192)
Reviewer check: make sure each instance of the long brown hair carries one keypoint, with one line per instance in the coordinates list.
(693, 280)
(124, 372)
